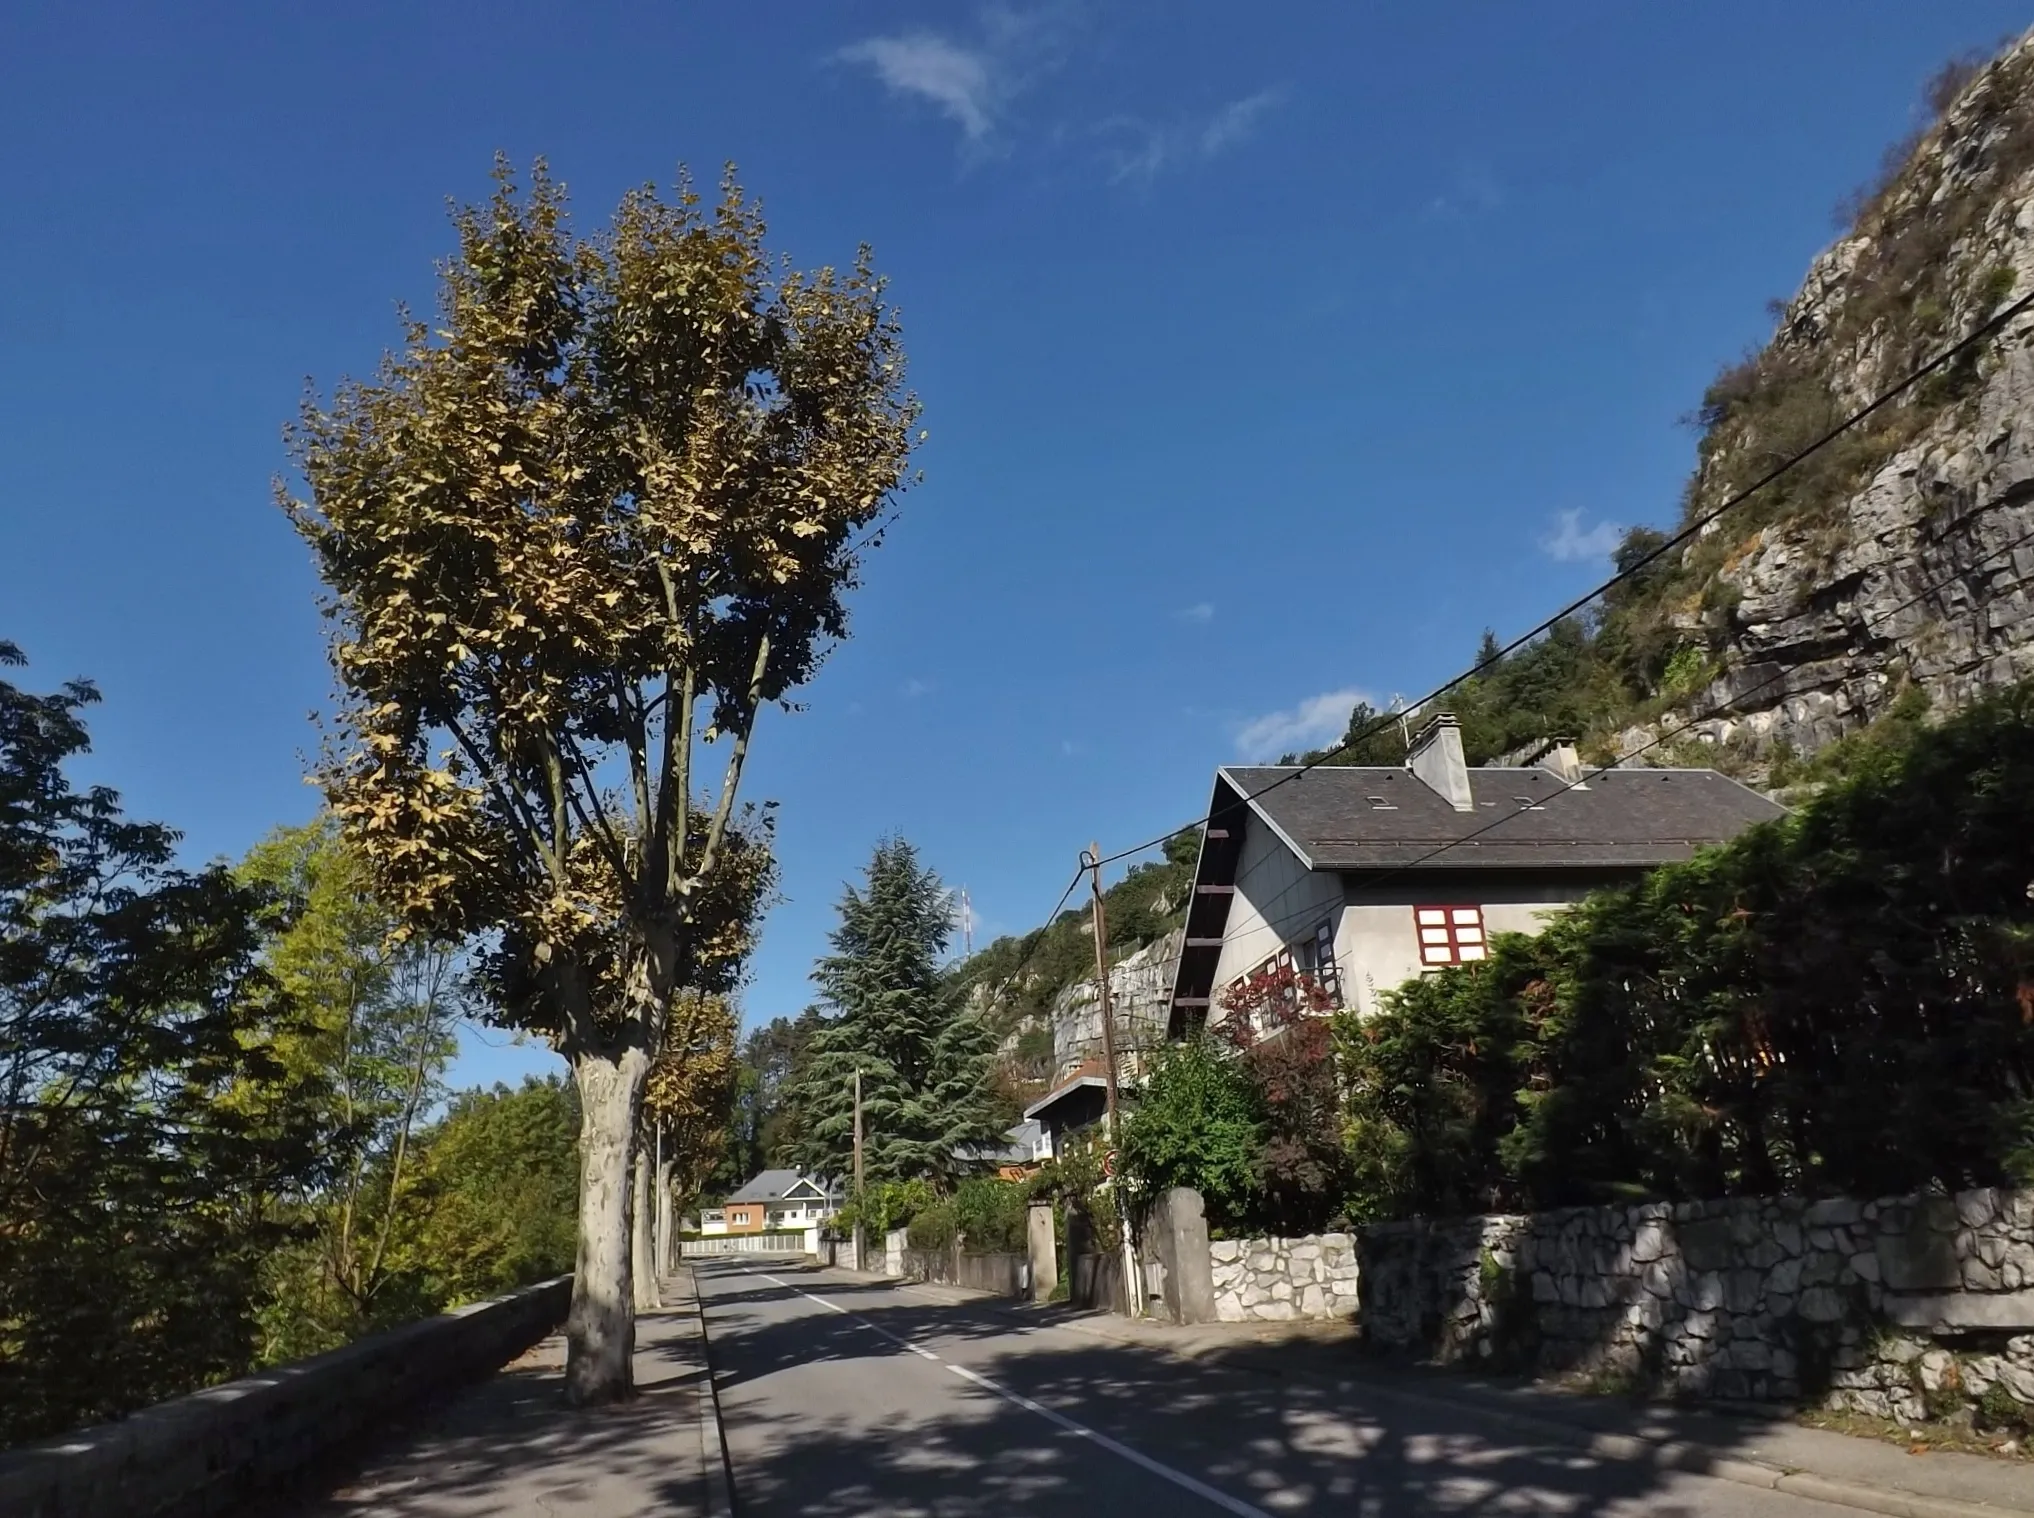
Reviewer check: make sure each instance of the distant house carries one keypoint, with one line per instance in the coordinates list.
(1077, 1103)
(773, 1199)
(1363, 877)
(1024, 1148)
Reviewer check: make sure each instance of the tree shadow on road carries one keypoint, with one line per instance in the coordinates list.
(835, 1440)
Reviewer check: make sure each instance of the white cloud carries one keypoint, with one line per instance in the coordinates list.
(913, 689)
(1136, 150)
(1200, 611)
(1315, 721)
(1237, 120)
(1571, 544)
(959, 81)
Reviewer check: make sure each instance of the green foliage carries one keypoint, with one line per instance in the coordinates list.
(502, 1182)
(374, 1033)
(1199, 1122)
(1433, 1082)
(1841, 1002)
(883, 1206)
(992, 1214)
(764, 1128)
(143, 1166)
(1073, 1178)
(926, 1060)
(934, 1226)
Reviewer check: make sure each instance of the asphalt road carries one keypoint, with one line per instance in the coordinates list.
(843, 1396)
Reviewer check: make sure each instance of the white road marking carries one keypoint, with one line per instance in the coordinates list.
(1199, 1488)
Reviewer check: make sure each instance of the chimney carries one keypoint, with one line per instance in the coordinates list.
(1436, 758)
(1557, 756)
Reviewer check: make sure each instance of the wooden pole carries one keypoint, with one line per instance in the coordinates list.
(861, 1228)
(1133, 1287)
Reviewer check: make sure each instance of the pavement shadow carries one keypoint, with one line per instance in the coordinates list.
(1283, 1443)
(511, 1446)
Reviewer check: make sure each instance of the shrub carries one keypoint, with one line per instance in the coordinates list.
(1199, 1122)
(1838, 1002)
(991, 1215)
(932, 1227)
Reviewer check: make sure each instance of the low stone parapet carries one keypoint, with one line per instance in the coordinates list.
(214, 1451)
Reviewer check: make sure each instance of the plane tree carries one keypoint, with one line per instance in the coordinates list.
(576, 533)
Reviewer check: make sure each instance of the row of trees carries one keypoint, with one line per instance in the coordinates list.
(1840, 1002)
(224, 1139)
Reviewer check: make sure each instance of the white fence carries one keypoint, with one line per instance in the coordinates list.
(744, 1243)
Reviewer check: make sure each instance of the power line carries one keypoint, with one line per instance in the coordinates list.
(1377, 876)
(1721, 708)
(1948, 356)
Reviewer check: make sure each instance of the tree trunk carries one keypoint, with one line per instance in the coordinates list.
(642, 1237)
(600, 1334)
(667, 1221)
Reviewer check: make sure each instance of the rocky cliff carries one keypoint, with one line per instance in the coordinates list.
(1899, 559)
(1140, 990)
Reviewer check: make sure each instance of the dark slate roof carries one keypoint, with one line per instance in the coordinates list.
(771, 1185)
(1620, 819)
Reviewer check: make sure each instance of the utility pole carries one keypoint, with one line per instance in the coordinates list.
(967, 926)
(861, 1229)
(1133, 1286)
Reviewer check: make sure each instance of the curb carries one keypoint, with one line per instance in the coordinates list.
(718, 1471)
(1663, 1454)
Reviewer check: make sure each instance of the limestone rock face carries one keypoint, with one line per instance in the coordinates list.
(1923, 574)
(1139, 988)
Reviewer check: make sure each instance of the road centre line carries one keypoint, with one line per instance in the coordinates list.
(1142, 1461)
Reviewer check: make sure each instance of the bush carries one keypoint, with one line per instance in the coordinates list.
(1841, 1002)
(1199, 1122)
(933, 1227)
(882, 1207)
(991, 1215)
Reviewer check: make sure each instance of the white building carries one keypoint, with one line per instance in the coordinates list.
(1365, 876)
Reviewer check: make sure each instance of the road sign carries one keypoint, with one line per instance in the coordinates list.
(1109, 1164)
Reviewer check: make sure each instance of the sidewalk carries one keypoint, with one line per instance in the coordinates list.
(1771, 1452)
(510, 1448)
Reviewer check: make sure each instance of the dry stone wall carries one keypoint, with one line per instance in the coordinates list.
(1902, 1307)
(1280, 1280)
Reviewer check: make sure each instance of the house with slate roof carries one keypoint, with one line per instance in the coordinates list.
(773, 1199)
(1363, 877)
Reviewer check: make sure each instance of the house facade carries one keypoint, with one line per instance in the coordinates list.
(773, 1199)
(1363, 877)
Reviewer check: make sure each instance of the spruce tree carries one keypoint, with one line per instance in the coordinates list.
(925, 1059)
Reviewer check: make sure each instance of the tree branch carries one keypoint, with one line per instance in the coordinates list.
(731, 780)
(512, 801)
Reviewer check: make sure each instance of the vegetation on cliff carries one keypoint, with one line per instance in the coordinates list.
(1909, 278)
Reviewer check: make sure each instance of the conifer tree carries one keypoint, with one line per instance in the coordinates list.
(925, 1058)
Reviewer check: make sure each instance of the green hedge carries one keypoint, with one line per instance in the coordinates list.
(1841, 1002)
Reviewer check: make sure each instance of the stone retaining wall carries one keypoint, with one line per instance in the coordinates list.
(1278, 1280)
(215, 1450)
(1902, 1307)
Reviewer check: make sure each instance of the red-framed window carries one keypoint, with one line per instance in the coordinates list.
(1449, 935)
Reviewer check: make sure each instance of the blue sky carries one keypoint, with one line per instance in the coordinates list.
(1268, 353)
